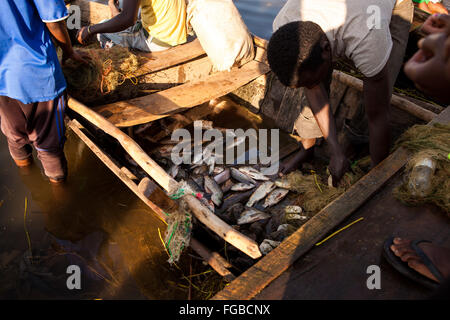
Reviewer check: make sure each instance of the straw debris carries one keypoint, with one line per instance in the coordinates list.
(428, 141)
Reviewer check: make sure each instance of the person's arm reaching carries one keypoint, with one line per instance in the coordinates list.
(320, 105)
(377, 96)
(126, 18)
(59, 32)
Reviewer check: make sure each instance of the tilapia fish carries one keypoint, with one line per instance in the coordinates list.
(275, 196)
(253, 173)
(283, 183)
(262, 191)
(214, 189)
(241, 177)
(252, 215)
(268, 245)
(242, 186)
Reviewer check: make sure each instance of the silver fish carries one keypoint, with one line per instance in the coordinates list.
(241, 177)
(261, 192)
(293, 209)
(242, 186)
(218, 170)
(200, 170)
(268, 245)
(173, 171)
(283, 183)
(251, 215)
(253, 173)
(223, 176)
(275, 196)
(294, 216)
(214, 189)
(227, 185)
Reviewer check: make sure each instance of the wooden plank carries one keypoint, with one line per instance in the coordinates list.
(396, 100)
(217, 262)
(155, 106)
(170, 185)
(256, 278)
(171, 57)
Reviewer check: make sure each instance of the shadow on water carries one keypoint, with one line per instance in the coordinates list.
(93, 222)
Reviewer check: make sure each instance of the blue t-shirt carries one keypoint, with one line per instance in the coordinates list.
(29, 67)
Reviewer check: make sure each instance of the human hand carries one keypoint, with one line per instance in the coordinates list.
(83, 35)
(76, 55)
(437, 23)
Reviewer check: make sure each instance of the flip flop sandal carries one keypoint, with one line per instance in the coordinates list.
(407, 271)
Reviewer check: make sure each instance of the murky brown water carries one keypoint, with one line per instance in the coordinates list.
(95, 222)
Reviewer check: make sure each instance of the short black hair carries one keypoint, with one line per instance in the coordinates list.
(295, 47)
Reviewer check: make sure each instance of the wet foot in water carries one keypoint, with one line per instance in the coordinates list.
(439, 256)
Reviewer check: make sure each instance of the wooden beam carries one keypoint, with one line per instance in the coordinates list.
(159, 105)
(171, 57)
(217, 262)
(170, 185)
(396, 100)
(256, 278)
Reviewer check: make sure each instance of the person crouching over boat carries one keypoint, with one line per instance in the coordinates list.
(32, 85)
(309, 35)
(162, 25)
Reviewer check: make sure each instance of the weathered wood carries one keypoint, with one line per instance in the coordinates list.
(255, 279)
(248, 284)
(155, 106)
(217, 262)
(396, 101)
(170, 185)
(168, 58)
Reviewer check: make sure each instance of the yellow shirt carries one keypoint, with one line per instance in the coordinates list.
(165, 20)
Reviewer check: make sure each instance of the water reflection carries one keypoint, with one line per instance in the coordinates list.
(93, 222)
(258, 15)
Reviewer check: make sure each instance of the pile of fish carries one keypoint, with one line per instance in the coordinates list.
(242, 196)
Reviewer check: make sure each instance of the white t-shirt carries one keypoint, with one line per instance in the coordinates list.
(356, 29)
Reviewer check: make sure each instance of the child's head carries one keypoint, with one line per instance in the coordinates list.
(429, 68)
(299, 53)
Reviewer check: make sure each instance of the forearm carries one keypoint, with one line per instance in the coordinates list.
(124, 19)
(59, 31)
(320, 106)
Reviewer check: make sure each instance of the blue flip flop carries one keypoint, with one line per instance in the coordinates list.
(407, 271)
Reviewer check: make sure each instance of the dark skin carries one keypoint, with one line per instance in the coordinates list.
(121, 20)
(59, 32)
(377, 93)
(429, 68)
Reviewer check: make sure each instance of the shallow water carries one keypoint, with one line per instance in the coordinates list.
(94, 222)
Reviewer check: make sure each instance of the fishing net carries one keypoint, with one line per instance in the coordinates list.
(111, 73)
(428, 141)
(315, 193)
(179, 226)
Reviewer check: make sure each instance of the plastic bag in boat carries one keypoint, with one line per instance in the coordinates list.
(221, 32)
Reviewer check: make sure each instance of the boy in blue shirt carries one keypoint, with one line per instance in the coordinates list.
(32, 85)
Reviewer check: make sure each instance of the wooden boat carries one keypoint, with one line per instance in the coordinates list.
(190, 85)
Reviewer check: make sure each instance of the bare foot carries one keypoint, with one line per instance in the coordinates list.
(439, 256)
